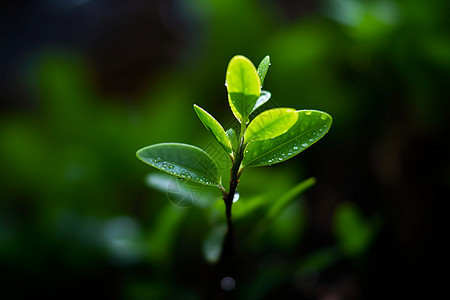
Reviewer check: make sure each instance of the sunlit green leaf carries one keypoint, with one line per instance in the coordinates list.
(232, 137)
(309, 128)
(244, 87)
(182, 160)
(215, 128)
(263, 98)
(271, 123)
(262, 68)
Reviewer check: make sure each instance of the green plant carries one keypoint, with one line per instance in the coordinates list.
(272, 136)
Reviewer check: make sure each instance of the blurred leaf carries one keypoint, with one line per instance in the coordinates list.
(271, 123)
(263, 98)
(144, 290)
(318, 261)
(163, 233)
(215, 128)
(243, 85)
(262, 68)
(268, 208)
(242, 209)
(352, 231)
(266, 201)
(182, 160)
(310, 127)
(287, 228)
(232, 137)
(182, 193)
(212, 246)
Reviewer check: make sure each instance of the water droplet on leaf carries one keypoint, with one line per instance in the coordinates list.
(236, 196)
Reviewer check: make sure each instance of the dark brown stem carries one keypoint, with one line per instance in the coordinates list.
(228, 245)
(227, 265)
(234, 180)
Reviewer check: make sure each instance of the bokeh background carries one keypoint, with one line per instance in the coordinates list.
(85, 83)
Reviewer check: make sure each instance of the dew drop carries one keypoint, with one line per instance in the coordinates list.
(280, 158)
(236, 196)
(308, 113)
(171, 167)
(324, 117)
(295, 148)
(186, 174)
(305, 145)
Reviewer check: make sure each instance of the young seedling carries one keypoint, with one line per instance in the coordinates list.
(271, 137)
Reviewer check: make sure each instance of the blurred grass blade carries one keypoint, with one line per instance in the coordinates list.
(263, 98)
(182, 160)
(262, 68)
(244, 87)
(271, 123)
(215, 128)
(281, 203)
(311, 126)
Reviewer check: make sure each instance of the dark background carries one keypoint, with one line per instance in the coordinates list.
(85, 83)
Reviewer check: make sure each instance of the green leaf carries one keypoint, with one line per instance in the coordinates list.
(309, 128)
(244, 87)
(215, 128)
(181, 160)
(232, 137)
(263, 67)
(263, 98)
(271, 123)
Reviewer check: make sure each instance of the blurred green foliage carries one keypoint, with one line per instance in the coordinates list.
(75, 207)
